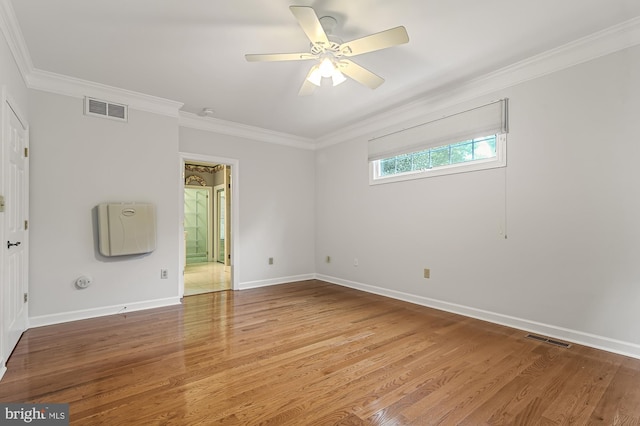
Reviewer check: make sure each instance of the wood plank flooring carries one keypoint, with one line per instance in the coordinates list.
(206, 277)
(312, 353)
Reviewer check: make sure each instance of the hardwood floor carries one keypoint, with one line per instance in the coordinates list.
(206, 277)
(312, 353)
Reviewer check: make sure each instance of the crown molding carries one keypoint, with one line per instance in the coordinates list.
(596, 45)
(70, 86)
(194, 121)
(13, 35)
(78, 88)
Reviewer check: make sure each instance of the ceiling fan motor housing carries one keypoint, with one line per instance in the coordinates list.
(328, 24)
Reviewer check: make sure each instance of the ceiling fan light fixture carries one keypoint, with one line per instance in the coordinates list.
(337, 77)
(315, 76)
(327, 68)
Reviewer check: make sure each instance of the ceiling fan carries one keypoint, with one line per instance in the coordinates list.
(331, 54)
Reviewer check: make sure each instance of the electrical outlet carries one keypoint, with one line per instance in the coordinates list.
(355, 262)
(328, 259)
(164, 274)
(271, 261)
(427, 273)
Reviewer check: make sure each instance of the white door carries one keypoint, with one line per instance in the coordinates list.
(14, 247)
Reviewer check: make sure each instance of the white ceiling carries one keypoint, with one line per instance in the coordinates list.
(192, 51)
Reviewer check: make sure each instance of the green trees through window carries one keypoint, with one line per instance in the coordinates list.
(461, 152)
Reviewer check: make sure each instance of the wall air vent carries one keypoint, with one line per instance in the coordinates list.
(105, 109)
(547, 340)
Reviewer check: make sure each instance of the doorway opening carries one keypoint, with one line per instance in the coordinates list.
(207, 259)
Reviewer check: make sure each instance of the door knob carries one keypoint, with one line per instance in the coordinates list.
(10, 244)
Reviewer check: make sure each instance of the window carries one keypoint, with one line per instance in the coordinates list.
(475, 154)
(468, 141)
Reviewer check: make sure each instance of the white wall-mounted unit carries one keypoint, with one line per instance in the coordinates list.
(126, 228)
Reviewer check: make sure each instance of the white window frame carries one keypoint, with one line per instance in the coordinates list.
(500, 160)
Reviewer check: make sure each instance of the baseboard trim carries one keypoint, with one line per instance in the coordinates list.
(275, 281)
(573, 336)
(43, 320)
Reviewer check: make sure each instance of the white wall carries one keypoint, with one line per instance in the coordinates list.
(572, 206)
(276, 205)
(78, 162)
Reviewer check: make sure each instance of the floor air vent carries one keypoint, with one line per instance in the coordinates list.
(104, 109)
(547, 340)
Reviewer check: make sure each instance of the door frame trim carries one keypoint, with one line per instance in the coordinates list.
(235, 214)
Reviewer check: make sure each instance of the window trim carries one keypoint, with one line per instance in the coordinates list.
(500, 160)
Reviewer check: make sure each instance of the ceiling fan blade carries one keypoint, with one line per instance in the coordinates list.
(310, 24)
(360, 74)
(307, 87)
(377, 41)
(271, 57)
